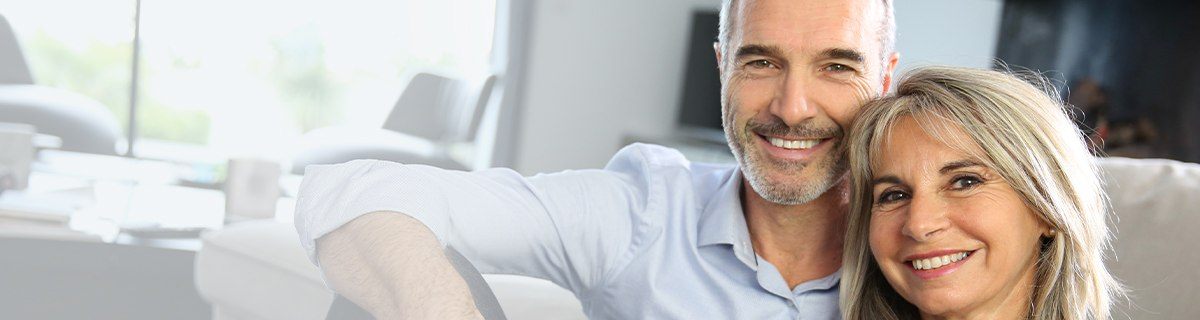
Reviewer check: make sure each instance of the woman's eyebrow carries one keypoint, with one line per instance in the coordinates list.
(958, 165)
(885, 179)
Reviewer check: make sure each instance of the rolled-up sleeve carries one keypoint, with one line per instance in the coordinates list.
(574, 228)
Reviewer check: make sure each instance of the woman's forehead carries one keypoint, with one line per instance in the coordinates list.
(926, 128)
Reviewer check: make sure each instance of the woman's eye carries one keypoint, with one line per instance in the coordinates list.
(892, 196)
(965, 182)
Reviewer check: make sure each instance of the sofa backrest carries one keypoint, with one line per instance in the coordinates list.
(1156, 211)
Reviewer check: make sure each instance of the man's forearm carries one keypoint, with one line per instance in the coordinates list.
(393, 266)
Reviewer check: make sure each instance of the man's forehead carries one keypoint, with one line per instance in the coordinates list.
(808, 25)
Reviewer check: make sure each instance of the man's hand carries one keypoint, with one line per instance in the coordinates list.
(393, 266)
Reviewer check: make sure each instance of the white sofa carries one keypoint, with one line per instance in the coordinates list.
(1157, 214)
(257, 270)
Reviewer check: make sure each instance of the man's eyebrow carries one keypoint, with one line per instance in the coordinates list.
(958, 165)
(758, 50)
(844, 54)
(885, 179)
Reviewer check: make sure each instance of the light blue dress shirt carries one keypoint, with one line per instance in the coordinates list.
(651, 236)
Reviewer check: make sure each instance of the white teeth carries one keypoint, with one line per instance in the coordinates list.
(793, 144)
(938, 262)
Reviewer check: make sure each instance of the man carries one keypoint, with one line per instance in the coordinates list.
(651, 235)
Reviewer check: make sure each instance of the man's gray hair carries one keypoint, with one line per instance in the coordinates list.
(886, 31)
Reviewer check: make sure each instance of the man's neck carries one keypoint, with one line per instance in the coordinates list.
(803, 241)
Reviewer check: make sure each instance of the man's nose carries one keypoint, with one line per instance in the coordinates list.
(793, 104)
(928, 217)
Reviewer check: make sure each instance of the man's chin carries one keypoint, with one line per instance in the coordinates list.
(782, 175)
(792, 183)
(779, 169)
(785, 187)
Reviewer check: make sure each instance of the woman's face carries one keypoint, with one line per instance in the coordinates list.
(950, 235)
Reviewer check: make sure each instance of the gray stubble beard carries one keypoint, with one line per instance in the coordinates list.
(755, 169)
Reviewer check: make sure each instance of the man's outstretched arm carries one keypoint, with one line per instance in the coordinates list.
(377, 229)
(394, 267)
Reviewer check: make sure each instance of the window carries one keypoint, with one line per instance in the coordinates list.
(87, 49)
(223, 78)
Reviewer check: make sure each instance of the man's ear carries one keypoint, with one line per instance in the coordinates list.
(720, 63)
(890, 70)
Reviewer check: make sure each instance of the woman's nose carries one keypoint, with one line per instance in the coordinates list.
(927, 218)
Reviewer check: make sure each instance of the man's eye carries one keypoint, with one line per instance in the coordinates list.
(965, 182)
(760, 64)
(891, 196)
(837, 67)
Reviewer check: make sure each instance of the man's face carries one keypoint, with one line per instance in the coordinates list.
(795, 76)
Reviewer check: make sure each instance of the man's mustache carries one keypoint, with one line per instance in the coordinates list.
(777, 127)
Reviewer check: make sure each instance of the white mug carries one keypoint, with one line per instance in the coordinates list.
(16, 155)
(251, 189)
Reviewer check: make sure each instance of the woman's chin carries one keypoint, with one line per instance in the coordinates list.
(941, 305)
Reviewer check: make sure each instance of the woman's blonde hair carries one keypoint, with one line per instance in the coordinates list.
(1027, 137)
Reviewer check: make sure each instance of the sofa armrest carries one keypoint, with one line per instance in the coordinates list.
(257, 270)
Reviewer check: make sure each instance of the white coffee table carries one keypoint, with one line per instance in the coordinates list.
(105, 194)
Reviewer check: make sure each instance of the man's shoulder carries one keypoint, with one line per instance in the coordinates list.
(658, 165)
(652, 157)
(645, 154)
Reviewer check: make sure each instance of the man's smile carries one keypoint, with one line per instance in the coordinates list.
(792, 148)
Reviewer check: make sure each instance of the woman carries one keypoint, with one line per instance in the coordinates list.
(974, 196)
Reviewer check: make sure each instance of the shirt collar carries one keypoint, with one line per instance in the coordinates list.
(826, 283)
(724, 222)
